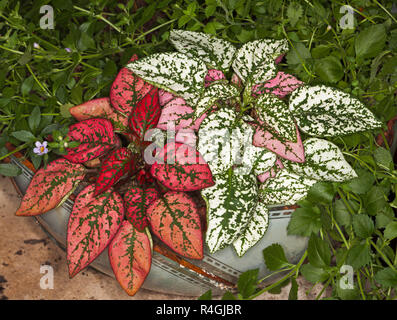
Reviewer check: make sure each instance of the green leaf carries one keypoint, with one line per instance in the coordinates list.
(341, 213)
(347, 294)
(229, 207)
(318, 252)
(327, 112)
(324, 161)
(387, 277)
(275, 257)
(391, 230)
(294, 13)
(383, 158)
(216, 53)
(285, 188)
(358, 256)
(363, 226)
(314, 274)
(175, 72)
(321, 192)
(361, 184)
(27, 85)
(254, 61)
(293, 292)
(228, 296)
(298, 54)
(34, 119)
(86, 42)
(247, 282)
(24, 136)
(375, 201)
(206, 296)
(254, 231)
(9, 170)
(329, 69)
(370, 42)
(304, 221)
(275, 114)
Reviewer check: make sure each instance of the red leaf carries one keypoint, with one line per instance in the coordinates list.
(184, 169)
(118, 163)
(93, 223)
(130, 256)
(99, 108)
(137, 200)
(96, 137)
(144, 177)
(175, 220)
(127, 90)
(146, 114)
(49, 186)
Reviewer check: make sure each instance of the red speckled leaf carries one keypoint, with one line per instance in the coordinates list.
(96, 137)
(127, 90)
(49, 186)
(99, 108)
(93, 223)
(175, 220)
(137, 200)
(184, 169)
(118, 163)
(130, 256)
(146, 114)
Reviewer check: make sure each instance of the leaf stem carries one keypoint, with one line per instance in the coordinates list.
(19, 148)
(386, 259)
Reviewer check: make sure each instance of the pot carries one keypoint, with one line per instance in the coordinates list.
(171, 273)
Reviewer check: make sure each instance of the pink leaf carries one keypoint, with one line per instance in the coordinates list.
(92, 224)
(99, 108)
(186, 136)
(292, 151)
(130, 256)
(137, 200)
(174, 219)
(49, 186)
(184, 169)
(272, 172)
(279, 58)
(213, 75)
(118, 163)
(178, 113)
(282, 85)
(165, 97)
(96, 137)
(145, 114)
(127, 90)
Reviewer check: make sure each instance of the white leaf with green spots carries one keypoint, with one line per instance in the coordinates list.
(250, 158)
(216, 53)
(324, 161)
(214, 140)
(174, 72)
(254, 231)
(326, 112)
(229, 206)
(277, 117)
(217, 91)
(254, 61)
(285, 188)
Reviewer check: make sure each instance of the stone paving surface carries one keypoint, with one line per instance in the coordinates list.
(24, 247)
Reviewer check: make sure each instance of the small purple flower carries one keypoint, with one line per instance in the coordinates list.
(41, 148)
(68, 49)
(36, 45)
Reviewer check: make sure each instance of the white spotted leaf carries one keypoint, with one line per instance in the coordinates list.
(254, 231)
(229, 206)
(274, 113)
(217, 91)
(323, 111)
(285, 188)
(174, 72)
(324, 162)
(254, 61)
(216, 53)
